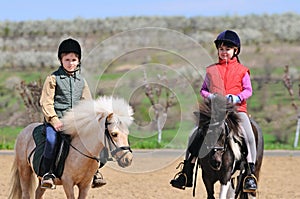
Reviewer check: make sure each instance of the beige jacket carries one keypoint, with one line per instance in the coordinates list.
(47, 99)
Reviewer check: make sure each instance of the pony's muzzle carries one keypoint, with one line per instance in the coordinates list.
(216, 158)
(125, 159)
(215, 165)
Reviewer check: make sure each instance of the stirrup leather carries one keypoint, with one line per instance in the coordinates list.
(249, 190)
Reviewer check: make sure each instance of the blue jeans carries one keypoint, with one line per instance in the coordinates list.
(51, 139)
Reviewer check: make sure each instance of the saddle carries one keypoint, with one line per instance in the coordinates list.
(62, 151)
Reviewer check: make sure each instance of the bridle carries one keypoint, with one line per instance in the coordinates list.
(227, 130)
(220, 148)
(214, 148)
(114, 149)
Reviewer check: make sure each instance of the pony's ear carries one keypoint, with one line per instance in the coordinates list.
(100, 116)
(201, 117)
(197, 114)
(109, 117)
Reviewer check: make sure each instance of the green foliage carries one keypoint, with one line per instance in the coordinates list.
(110, 76)
(8, 136)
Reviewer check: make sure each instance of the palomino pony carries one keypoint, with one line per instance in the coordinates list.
(223, 150)
(91, 124)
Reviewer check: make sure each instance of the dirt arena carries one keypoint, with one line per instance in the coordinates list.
(279, 179)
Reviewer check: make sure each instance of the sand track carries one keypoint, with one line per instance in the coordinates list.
(279, 179)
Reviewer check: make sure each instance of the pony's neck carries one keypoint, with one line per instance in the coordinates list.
(89, 146)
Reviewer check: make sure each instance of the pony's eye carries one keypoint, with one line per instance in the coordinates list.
(114, 134)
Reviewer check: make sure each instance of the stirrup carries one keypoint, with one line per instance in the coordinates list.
(249, 190)
(48, 185)
(185, 177)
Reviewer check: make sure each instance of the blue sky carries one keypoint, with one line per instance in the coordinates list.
(17, 10)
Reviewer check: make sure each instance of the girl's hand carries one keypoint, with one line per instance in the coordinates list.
(233, 98)
(211, 96)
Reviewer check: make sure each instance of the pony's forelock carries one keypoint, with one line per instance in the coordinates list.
(121, 110)
(86, 115)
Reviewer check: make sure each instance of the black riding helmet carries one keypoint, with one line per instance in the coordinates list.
(230, 38)
(69, 46)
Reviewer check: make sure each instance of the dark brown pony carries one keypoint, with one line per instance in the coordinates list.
(223, 152)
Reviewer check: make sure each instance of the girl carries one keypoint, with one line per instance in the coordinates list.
(230, 78)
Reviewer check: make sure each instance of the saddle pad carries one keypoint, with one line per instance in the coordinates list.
(62, 151)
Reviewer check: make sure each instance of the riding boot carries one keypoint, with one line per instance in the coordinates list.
(250, 181)
(98, 180)
(47, 181)
(185, 176)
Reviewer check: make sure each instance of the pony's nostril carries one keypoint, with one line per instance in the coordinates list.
(128, 160)
(216, 164)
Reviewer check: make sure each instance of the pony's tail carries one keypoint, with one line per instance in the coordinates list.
(15, 187)
(15, 191)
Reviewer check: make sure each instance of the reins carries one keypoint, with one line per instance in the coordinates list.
(91, 157)
(107, 139)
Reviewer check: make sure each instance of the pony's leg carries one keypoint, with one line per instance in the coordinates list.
(68, 188)
(83, 192)
(39, 192)
(231, 191)
(224, 190)
(251, 196)
(84, 187)
(209, 185)
(27, 181)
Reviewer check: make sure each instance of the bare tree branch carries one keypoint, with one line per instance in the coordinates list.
(30, 93)
(287, 81)
(159, 108)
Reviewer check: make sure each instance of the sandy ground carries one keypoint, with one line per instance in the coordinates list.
(279, 179)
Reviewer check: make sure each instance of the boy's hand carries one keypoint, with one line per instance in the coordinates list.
(58, 126)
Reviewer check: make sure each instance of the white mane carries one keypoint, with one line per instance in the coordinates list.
(88, 115)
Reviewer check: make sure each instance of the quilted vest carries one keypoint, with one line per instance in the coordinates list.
(68, 91)
(226, 78)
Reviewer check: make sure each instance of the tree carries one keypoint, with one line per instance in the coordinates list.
(289, 86)
(30, 94)
(154, 94)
